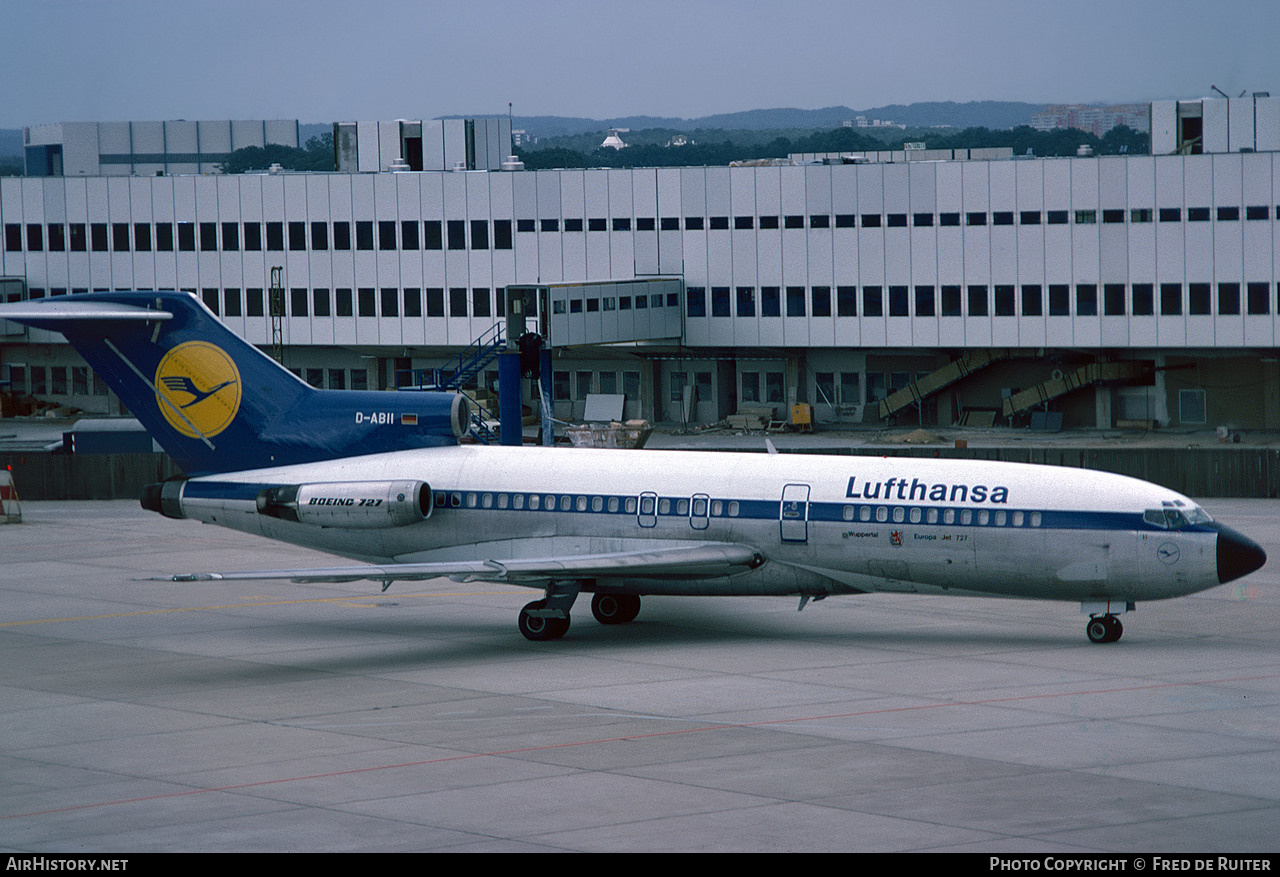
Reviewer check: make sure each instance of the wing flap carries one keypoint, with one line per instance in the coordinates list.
(703, 560)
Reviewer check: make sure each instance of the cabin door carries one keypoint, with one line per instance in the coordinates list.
(793, 513)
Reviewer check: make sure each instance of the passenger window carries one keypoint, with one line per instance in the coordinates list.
(864, 513)
(1017, 519)
(733, 508)
(631, 505)
(882, 514)
(613, 503)
(664, 506)
(455, 500)
(717, 509)
(699, 508)
(682, 507)
(983, 517)
(915, 516)
(646, 505)
(898, 514)
(847, 514)
(1035, 519)
(949, 516)
(1000, 518)
(502, 500)
(486, 501)
(517, 501)
(566, 503)
(932, 516)
(966, 517)
(597, 503)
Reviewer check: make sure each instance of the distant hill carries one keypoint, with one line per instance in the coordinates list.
(976, 114)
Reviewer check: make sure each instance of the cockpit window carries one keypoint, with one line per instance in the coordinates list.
(1197, 515)
(1170, 518)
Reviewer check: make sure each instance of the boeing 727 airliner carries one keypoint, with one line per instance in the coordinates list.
(381, 478)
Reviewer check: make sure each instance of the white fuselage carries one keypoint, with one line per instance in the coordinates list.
(825, 524)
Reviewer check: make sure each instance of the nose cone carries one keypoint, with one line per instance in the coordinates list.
(1238, 555)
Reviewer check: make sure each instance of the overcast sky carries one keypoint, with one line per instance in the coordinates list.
(325, 61)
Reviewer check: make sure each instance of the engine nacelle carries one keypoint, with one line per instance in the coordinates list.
(360, 505)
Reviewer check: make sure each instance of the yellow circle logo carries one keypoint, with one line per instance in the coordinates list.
(198, 389)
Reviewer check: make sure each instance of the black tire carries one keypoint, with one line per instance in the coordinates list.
(1117, 629)
(1104, 629)
(540, 629)
(615, 608)
(1096, 630)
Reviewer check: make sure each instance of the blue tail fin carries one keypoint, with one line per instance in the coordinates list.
(215, 402)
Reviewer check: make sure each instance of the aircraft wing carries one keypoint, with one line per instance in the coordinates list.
(702, 560)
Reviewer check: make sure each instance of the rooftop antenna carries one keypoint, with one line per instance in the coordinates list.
(1220, 91)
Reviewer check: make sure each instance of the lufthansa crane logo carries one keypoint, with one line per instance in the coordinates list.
(198, 389)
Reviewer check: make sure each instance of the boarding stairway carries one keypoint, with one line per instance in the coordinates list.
(954, 371)
(460, 372)
(1122, 372)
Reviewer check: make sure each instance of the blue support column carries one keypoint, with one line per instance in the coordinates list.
(545, 386)
(509, 398)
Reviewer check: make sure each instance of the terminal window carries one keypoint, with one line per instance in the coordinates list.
(795, 301)
(977, 301)
(898, 303)
(1192, 406)
(872, 301)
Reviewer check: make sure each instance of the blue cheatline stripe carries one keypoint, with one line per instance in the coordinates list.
(747, 509)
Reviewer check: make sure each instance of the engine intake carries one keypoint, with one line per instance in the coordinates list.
(361, 505)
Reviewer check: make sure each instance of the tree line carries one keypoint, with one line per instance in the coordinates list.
(1023, 140)
(718, 148)
(316, 155)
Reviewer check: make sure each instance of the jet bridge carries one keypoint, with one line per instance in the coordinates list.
(574, 314)
(608, 311)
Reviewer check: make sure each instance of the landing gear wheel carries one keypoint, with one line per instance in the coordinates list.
(1104, 629)
(615, 608)
(539, 629)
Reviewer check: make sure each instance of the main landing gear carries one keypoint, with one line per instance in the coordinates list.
(615, 608)
(539, 623)
(1104, 629)
(548, 619)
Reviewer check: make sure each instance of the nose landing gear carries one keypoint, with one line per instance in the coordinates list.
(1104, 629)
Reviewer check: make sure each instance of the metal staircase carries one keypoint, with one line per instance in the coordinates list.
(953, 371)
(462, 369)
(1120, 372)
(460, 372)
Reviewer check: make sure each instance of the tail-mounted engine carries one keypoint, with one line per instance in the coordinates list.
(357, 505)
(362, 505)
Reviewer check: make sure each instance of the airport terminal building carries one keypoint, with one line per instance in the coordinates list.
(916, 286)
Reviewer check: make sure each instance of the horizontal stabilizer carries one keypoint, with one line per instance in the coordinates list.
(70, 310)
